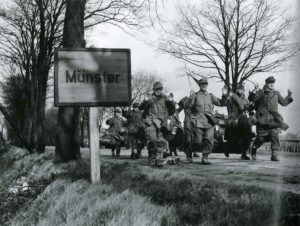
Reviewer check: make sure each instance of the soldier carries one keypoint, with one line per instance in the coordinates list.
(136, 131)
(238, 127)
(184, 105)
(116, 131)
(172, 130)
(268, 119)
(202, 120)
(156, 108)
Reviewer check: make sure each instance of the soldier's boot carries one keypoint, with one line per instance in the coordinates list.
(245, 157)
(133, 154)
(205, 159)
(274, 156)
(161, 151)
(151, 156)
(226, 151)
(151, 160)
(138, 154)
(156, 160)
(189, 156)
(118, 152)
(253, 152)
(244, 153)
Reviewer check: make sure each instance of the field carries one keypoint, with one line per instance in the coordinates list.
(228, 192)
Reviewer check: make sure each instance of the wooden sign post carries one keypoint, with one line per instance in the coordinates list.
(92, 77)
(94, 144)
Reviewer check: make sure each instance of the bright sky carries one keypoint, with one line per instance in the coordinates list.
(146, 57)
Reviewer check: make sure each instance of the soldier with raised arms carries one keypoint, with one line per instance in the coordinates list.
(238, 127)
(202, 119)
(269, 121)
(156, 107)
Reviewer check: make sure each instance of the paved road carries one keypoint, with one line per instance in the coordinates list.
(283, 175)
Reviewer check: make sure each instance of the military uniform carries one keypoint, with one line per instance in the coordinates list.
(156, 112)
(238, 127)
(184, 105)
(173, 131)
(203, 121)
(136, 131)
(269, 121)
(116, 131)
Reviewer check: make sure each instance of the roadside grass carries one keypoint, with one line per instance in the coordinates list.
(79, 203)
(136, 194)
(207, 202)
(69, 199)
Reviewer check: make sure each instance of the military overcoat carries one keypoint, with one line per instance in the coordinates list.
(266, 105)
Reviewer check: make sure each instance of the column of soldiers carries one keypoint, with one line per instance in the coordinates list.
(148, 123)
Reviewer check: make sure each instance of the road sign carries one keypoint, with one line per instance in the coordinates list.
(92, 77)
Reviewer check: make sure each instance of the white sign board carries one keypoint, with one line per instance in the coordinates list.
(92, 77)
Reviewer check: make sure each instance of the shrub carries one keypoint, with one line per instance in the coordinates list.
(16, 99)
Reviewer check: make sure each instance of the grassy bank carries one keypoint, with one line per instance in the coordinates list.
(133, 194)
(206, 202)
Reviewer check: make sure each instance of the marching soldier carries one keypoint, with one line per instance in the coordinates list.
(136, 131)
(116, 131)
(156, 108)
(173, 130)
(184, 105)
(202, 120)
(269, 121)
(238, 131)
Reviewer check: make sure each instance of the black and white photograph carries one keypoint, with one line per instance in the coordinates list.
(149, 113)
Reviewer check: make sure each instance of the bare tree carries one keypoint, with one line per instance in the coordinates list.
(68, 139)
(142, 83)
(232, 40)
(31, 30)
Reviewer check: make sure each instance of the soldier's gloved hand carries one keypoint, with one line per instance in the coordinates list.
(192, 93)
(289, 92)
(256, 87)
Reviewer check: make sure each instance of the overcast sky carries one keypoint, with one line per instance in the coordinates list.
(146, 57)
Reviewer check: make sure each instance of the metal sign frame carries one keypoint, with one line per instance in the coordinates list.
(59, 103)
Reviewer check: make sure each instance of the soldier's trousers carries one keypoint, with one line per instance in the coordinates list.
(116, 146)
(136, 143)
(238, 134)
(267, 135)
(202, 139)
(187, 141)
(156, 143)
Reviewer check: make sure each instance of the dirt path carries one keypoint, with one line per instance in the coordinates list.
(281, 176)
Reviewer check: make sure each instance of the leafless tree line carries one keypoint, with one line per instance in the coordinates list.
(232, 40)
(30, 32)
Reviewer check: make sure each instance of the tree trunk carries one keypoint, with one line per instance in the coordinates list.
(40, 142)
(68, 139)
(42, 71)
